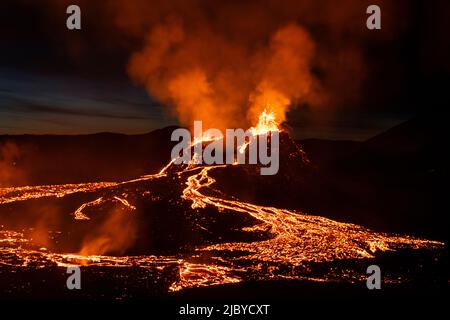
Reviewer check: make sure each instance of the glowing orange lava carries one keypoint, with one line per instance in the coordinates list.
(266, 123)
(296, 239)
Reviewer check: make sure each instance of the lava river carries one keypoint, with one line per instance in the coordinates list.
(294, 245)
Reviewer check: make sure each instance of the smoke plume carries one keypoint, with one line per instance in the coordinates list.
(225, 62)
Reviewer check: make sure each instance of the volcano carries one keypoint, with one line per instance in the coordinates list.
(189, 227)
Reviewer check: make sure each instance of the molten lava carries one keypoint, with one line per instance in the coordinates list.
(292, 242)
(267, 123)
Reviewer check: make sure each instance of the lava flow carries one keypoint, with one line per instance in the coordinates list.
(265, 243)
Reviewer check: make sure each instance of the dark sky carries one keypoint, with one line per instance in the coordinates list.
(57, 81)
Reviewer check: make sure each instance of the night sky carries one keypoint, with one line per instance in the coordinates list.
(56, 81)
(34, 103)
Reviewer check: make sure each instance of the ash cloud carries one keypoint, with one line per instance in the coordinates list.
(222, 60)
(224, 63)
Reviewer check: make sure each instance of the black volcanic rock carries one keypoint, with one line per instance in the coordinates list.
(285, 189)
(48, 159)
(393, 182)
(160, 228)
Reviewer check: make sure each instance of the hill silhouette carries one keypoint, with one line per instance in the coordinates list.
(392, 182)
